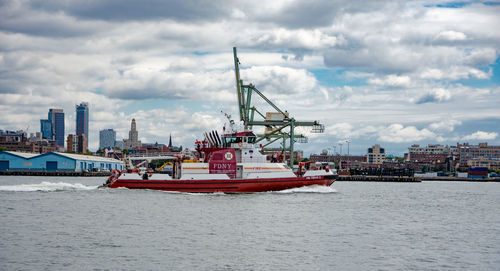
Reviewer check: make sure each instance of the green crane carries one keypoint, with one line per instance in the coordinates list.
(275, 122)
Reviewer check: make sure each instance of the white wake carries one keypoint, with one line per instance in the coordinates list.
(309, 189)
(46, 187)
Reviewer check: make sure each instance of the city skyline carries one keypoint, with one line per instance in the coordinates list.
(388, 73)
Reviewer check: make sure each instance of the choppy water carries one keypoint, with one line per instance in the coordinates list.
(68, 224)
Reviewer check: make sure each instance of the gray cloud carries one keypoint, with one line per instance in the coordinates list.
(131, 10)
(18, 18)
(438, 95)
(405, 56)
(310, 14)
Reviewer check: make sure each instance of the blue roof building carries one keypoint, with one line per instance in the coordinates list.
(56, 161)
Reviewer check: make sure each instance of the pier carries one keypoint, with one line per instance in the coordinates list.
(460, 179)
(406, 179)
(372, 178)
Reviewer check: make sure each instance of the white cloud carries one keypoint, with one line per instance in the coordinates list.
(451, 36)
(480, 135)
(280, 80)
(299, 38)
(340, 130)
(392, 81)
(447, 125)
(148, 83)
(397, 133)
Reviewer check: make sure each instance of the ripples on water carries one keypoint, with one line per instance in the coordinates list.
(69, 224)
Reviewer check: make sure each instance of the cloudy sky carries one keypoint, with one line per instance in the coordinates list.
(394, 73)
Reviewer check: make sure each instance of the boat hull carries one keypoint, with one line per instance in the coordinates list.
(225, 186)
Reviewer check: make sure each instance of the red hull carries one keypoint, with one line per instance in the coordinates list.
(226, 186)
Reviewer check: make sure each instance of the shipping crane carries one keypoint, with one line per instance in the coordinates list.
(275, 122)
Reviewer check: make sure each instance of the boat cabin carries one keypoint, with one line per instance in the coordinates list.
(238, 139)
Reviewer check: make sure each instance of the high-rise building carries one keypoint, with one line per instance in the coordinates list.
(46, 129)
(82, 120)
(107, 138)
(56, 117)
(375, 155)
(133, 138)
(76, 143)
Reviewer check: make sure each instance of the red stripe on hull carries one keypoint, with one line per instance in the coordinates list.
(226, 186)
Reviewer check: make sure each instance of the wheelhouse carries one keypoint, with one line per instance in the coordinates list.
(229, 140)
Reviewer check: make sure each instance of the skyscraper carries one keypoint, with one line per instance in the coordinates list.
(107, 138)
(56, 118)
(82, 121)
(46, 129)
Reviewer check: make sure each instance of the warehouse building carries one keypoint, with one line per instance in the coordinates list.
(56, 161)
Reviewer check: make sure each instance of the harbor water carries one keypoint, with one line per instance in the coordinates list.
(67, 223)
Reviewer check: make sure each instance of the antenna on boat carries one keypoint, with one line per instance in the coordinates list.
(231, 121)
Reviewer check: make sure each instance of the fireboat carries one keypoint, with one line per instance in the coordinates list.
(229, 164)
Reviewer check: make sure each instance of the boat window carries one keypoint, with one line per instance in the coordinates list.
(230, 140)
(251, 140)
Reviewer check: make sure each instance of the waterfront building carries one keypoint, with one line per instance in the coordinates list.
(56, 161)
(82, 120)
(344, 161)
(434, 156)
(12, 136)
(76, 143)
(56, 118)
(18, 141)
(151, 149)
(490, 163)
(375, 155)
(481, 151)
(133, 138)
(46, 129)
(107, 138)
(433, 153)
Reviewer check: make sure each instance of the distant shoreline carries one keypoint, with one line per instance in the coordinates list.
(406, 179)
(54, 173)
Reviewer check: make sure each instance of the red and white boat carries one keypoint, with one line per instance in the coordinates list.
(230, 164)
